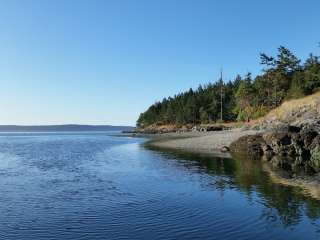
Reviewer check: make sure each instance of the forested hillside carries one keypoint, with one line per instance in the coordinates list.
(283, 77)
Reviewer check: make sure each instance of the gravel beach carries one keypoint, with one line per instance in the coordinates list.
(208, 142)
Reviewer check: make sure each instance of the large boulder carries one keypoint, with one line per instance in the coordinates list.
(250, 146)
(307, 135)
(290, 148)
(214, 128)
(278, 141)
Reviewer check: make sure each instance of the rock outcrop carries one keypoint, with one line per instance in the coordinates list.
(291, 138)
(248, 146)
(291, 148)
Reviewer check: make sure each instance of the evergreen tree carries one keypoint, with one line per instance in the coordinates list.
(243, 98)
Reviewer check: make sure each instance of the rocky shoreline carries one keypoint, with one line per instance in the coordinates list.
(290, 143)
(291, 138)
(292, 149)
(286, 141)
(290, 154)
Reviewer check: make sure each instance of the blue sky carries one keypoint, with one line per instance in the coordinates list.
(104, 62)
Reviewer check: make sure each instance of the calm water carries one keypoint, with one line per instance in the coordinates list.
(95, 186)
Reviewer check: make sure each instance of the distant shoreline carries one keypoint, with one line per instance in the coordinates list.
(62, 128)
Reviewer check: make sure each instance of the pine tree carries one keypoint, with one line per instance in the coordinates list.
(244, 98)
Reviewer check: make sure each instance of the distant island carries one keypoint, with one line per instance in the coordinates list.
(63, 128)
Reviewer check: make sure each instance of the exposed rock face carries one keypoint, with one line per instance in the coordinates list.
(290, 148)
(249, 146)
(315, 153)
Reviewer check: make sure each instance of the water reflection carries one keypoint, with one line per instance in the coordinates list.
(282, 204)
(96, 186)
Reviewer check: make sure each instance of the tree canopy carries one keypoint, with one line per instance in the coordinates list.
(244, 98)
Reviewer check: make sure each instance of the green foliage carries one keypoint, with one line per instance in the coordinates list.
(243, 98)
(204, 116)
(259, 111)
(312, 74)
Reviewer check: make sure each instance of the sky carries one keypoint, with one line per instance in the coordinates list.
(105, 62)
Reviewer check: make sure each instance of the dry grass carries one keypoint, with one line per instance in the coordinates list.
(295, 108)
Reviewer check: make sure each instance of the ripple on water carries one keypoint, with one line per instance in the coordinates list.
(100, 187)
